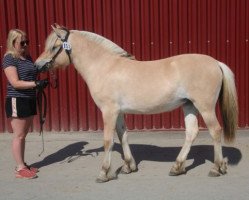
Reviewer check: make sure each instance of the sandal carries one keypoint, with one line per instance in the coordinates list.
(25, 173)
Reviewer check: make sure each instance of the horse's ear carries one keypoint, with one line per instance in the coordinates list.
(53, 27)
(59, 31)
(56, 30)
(57, 25)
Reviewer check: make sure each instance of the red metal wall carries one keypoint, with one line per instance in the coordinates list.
(149, 29)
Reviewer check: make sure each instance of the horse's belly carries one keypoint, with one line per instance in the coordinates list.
(151, 108)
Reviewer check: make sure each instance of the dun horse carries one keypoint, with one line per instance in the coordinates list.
(120, 84)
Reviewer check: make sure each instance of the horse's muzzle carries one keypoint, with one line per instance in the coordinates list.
(42, 66)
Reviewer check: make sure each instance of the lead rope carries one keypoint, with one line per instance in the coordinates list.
(54, 80)
(41, 95)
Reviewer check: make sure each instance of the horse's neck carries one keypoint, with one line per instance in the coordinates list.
(90, 59)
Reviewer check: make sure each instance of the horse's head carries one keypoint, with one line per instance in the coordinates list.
(57, 50)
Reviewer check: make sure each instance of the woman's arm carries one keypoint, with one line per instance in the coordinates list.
(12, 76)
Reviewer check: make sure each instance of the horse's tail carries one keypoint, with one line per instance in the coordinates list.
(228, 103)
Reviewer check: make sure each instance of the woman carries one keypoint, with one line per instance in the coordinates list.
(20, 105)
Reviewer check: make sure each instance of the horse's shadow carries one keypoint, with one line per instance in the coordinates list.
(67, 154)
(199, 153)
(141, 152)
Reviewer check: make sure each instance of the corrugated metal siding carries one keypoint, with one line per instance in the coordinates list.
(149, 30)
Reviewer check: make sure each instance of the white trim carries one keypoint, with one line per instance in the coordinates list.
(13, 105)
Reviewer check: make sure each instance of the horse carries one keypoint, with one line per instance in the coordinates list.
(120, 84)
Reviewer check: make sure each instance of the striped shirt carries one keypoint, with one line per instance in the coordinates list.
(26, 72)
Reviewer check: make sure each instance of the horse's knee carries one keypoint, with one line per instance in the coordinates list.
(108, 144)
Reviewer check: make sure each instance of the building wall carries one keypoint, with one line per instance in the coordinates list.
(145, 28)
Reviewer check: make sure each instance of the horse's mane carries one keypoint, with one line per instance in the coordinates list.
(107, 44)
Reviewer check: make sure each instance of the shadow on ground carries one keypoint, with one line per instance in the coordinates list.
(66, 154)
(141, 152)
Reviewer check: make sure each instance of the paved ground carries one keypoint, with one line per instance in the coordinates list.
(71, 163)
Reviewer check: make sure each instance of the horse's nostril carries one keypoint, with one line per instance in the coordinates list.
(41, 67)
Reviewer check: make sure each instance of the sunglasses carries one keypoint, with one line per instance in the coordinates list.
(24, 42)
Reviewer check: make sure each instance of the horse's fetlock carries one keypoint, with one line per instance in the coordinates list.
(223, 167)
(102, 177)
(219, 168)
(177, 169)
(125, 169)
(133, 166)
(105, 168)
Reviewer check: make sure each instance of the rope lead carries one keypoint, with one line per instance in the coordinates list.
(41, 95)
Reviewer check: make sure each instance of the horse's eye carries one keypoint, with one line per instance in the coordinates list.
(54, 48)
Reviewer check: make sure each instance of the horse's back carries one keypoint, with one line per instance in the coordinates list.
(180, 69)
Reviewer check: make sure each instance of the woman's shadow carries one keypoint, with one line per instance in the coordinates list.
(141, 152)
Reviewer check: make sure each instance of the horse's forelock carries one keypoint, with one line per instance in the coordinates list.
(50, 41)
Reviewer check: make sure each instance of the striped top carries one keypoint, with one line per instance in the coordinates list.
(26, 72)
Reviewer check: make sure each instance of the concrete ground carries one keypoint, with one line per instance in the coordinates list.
(71, 163)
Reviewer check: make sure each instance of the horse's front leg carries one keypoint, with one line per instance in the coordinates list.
(129, 162)
(109, 119)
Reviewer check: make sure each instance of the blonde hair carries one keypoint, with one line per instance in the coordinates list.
(12, 36)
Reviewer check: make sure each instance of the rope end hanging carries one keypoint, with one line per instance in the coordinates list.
(42, 113)
(41, 134)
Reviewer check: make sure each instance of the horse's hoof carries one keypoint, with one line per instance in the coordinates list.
(213, 173)
(223, 171)
(125, 170)
(112, 177)
(102, 180)
(174, 172)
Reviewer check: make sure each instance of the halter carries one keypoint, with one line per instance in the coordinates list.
(65, 45)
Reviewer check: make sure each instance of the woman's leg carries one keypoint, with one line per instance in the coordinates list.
(20, 128)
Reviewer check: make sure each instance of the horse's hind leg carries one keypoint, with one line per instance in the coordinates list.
(129, 162)
(220, 164)
(191, 123)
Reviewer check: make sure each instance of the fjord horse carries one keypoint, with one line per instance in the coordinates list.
(120, 84)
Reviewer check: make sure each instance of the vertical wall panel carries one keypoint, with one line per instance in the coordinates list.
(246, 64)
(147, 29)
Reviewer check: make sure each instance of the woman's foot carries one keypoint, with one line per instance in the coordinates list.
(33, 169)
(25, 173)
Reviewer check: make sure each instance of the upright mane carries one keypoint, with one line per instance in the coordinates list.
(108, 44)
